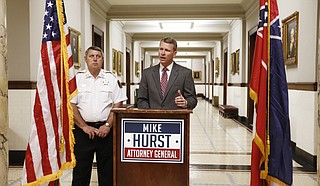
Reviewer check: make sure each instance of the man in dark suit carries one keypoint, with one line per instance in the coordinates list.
(167, 85)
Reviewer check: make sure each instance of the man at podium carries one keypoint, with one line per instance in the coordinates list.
(167, 85)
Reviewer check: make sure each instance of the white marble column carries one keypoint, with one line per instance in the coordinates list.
(3, 95)
(318, 82)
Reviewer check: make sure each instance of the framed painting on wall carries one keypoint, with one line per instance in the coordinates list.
(114, 60)
(196, 75)
(75, 46)
(233, 63)
(217, 67)
(290, 27)
(119, 62)
(237, 61)
(137, 68)
(97, 37)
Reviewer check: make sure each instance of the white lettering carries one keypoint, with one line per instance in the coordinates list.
(165, 154)
(139, 153)
(148, 127)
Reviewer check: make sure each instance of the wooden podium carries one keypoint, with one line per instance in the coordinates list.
(151, 147)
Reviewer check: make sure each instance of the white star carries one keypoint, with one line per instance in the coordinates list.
(46, 13)
(45, 35)
(50, 4)
(53, 34)
(51, 18)
(48, 27)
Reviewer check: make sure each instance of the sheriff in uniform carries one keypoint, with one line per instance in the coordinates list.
(98, 92)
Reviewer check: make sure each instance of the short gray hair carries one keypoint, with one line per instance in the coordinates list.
(170, 40)
(96, 48)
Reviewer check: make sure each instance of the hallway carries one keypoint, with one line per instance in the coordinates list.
(219, 156)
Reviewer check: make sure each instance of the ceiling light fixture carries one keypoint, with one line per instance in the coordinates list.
(176, 25)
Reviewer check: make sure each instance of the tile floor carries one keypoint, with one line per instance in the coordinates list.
(219, 156)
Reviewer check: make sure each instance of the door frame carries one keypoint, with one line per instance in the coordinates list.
(251, 45)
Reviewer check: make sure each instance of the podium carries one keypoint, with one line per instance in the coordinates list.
(151, 147)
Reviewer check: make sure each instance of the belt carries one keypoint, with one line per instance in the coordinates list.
(96, 124)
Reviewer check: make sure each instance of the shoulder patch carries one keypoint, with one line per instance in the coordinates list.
(119, 84)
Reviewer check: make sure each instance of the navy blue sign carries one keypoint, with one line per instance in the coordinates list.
(152, 140)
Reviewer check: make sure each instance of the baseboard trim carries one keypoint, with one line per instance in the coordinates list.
(201, 95)
(16, 157)
(304, 158)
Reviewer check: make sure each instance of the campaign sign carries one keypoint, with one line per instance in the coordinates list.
(152, 140)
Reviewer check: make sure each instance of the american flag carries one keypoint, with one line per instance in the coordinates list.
(51, 141)
(271, 158)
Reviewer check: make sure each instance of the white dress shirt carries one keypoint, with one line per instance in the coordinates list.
(169, 67)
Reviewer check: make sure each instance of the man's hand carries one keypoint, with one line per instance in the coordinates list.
(103, 131)
(180, 101)
(91, 131)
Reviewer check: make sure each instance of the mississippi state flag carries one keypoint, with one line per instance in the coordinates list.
(271, 158)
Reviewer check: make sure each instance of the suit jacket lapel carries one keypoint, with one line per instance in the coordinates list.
(156, 79)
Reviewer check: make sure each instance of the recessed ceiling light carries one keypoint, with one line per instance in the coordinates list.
(176, 25)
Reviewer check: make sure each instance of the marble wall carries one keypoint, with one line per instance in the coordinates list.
(3, 96)
(318, 126)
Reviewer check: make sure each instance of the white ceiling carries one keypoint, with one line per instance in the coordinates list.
(196, 23)
(178, 26)
(156, 2)
(186, 31)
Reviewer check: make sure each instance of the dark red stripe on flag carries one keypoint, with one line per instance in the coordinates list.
(31, 176)
(50, 90)
(57, 56)
(258, 85)
(72, 85)
(66, 127)
(42, 135)
(68, 39)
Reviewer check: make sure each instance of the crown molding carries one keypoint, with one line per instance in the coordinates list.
(178, 36)
(249, 4)
(175, 11)
(100, 6)
(201, 11)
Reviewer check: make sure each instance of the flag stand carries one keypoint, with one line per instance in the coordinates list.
(264, 183)
(57, 183)
(54, 183)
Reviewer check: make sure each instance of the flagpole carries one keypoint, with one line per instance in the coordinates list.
(57, 183)
(268, 98)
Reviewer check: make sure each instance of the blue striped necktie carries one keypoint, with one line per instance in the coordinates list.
(164, 80)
